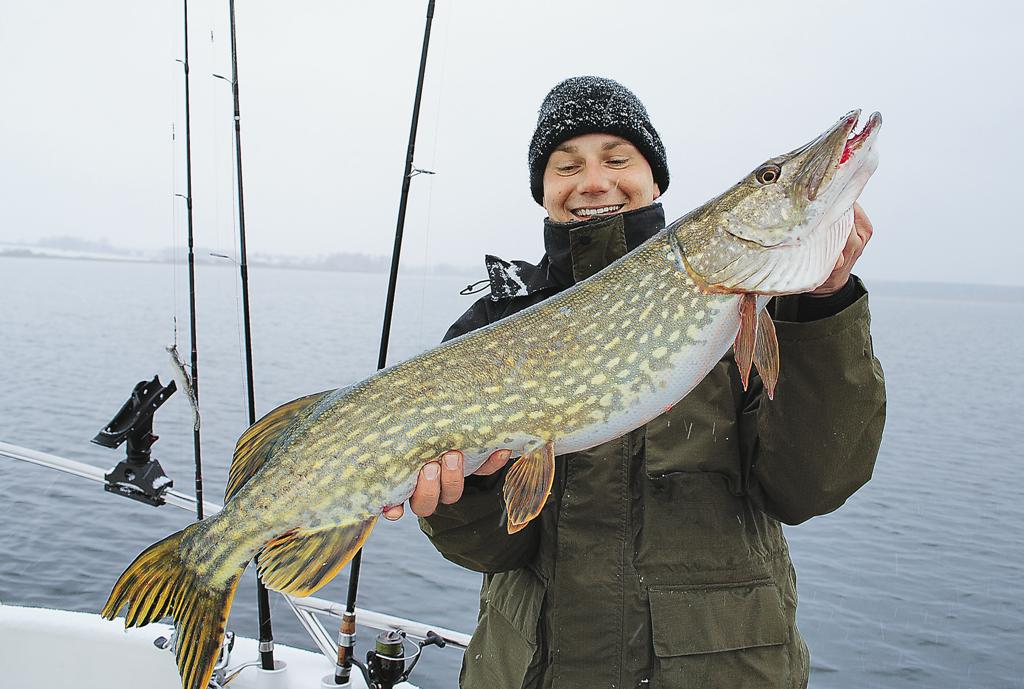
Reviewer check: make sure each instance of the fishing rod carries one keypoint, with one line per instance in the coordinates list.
(346, 634)
(193, 379)
(266, 637)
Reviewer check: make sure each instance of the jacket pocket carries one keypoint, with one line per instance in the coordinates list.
(709, 619)
(729, 636)
(505, 641)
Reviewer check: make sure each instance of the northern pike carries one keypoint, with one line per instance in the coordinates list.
(309, 480)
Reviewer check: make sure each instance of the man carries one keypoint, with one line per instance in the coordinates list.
(659, 559)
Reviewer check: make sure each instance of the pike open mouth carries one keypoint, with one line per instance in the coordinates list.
(857, 140)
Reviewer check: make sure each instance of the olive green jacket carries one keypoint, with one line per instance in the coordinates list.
(659, 560)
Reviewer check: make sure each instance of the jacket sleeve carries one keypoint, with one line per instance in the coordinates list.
(814, 445)
(471, 532)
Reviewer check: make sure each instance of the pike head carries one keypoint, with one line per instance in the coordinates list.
(781, 229)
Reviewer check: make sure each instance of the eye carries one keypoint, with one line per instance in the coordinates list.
(618, 162)
(768, 174)
(567, 169)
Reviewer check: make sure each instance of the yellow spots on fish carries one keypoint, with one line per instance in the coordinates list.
(590, 328)
(664, 314)
(363, 459)
(598, 379)
(350, 450)
(596, 415)
(498, 418)
(441, 423)
(632, 357)
(473, 408)
(624, 373)
(626, 323)
(630, 335)
(658, 330)
(699, 315)
(659, 352)
(484, 430)
(580, 389)
(493, 406)
(556, 419)
(554, 401)
(694, 302)
(635, 298)
(554, 374)
(536, 415)
(612, 363)
(648, 294)
(348, 472)
(529, 384)
(429, 409)
(643, 338)
(386, 443)
(514, 417)
(646, 312)
(429, 454)
(666, 271)
(587, 371)
(491, 389)
(693, 332)
(618, 305)
(512, 398)
(572, 409)
(416, 429)
(591, 348)
(447, 407)
(590, 400)
(598, 359)
(674, 335)
(371, 437)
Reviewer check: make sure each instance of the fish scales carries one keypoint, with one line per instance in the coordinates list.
(527, 382)
(584, 367)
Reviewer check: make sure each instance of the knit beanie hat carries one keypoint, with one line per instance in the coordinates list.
(589, 105)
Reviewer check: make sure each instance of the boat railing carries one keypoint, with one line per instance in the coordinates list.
(305, 609)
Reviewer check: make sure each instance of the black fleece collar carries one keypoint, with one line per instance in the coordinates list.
(574, 252)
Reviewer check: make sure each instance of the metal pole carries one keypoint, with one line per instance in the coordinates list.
(342, 672)
(262, 596)
(196, 446)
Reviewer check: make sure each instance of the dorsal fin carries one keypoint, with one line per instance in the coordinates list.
(253, 447)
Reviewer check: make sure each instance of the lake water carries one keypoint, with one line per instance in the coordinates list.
(915, 582)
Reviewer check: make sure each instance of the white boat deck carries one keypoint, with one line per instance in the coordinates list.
(43, 649)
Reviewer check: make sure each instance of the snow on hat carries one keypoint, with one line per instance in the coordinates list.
(589, 105)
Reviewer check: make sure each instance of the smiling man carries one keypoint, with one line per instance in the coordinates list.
(659, 559)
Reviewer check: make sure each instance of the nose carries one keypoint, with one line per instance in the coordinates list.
(595, 180)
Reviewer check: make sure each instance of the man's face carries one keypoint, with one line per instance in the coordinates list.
(596, 175)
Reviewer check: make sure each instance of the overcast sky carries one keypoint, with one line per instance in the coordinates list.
(92, 92)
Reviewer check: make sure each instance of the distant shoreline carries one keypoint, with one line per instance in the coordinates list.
(945, 291)
(342, 263)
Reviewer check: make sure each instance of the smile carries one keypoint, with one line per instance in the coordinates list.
(591, 212)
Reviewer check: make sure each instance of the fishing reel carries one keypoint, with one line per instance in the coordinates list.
(386, 665)
(139, 476)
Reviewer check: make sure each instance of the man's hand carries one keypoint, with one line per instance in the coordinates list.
(859, 237)
(442, 481)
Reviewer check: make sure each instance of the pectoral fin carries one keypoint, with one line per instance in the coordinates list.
(766, 353)
(300, 561)
(746, 338)
(527, 485)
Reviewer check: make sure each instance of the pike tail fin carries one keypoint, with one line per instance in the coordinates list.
(159, 583)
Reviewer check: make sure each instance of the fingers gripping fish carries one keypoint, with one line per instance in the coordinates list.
(309, 480)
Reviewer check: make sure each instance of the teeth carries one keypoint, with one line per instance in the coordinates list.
(588, 212)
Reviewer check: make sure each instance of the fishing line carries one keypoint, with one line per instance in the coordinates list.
(427, 273)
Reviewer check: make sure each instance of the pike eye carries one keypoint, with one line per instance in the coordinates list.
(768, 174)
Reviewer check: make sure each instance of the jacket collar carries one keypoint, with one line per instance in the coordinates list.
(574, 251)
